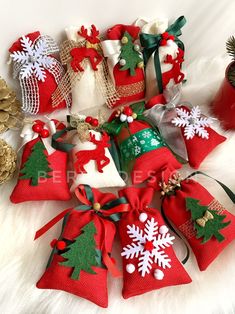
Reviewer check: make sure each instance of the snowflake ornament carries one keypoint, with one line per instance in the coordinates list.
(33, 59)
(148, 246)
(192, 122)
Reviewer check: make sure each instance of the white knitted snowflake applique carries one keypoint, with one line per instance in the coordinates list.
(148, 246)
(192, 122)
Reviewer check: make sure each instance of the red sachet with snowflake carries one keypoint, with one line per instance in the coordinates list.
(186, 130)
(81, 256)
(43, 169)
(92, 160)
(163, 53)
(149, 261)
(39, 72)
(125, 62)
(203, 221)
(142, 149)
(87, 77)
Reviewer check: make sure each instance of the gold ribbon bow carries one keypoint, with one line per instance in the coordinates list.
(207, 216)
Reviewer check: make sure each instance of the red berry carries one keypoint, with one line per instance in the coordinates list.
(128, 111)
(44, 133)
(149, 246)
(53, 243)
(61, 245)
(88, 119)
(95, 122)
(37, 127)
(163, 42)
(165, 35)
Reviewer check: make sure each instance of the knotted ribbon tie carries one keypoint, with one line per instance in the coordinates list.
(161, 115)
(151, 44)
(28, 135)
(203, 220)
(109, 211)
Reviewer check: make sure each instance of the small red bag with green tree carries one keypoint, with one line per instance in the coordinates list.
(80, 259)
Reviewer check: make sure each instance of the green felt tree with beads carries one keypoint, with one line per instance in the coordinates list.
(207, 223)
(37, 165)
(130, 57)
(82, 253)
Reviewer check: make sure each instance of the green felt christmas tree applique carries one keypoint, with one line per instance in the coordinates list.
(206, 222)
(130, 57)
(82, 253)
(37, 165)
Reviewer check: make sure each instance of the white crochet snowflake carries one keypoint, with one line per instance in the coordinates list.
(192, 122)
(33, 59)
(146, 134)
(148, 246)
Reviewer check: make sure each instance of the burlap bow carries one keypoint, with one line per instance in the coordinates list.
(206, 217)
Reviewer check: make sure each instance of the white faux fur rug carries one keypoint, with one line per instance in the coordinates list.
(22, 261)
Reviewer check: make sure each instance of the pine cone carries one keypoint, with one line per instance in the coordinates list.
(8, 159)
(10, 108)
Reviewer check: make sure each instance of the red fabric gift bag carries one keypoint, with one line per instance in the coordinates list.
(186, 131)
(204, 222)
(80, 258)
(125, 62)
(43, 169)
(149, 261)
(141, 147)
(38, 71)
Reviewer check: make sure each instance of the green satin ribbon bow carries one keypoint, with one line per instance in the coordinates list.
(115, 126)
(151, 43)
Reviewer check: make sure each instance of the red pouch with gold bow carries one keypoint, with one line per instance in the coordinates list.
(125, 62)
(43, 168)
(81, 257)
(149, 261)
(203, 221)
(141, 147)
(39, 72)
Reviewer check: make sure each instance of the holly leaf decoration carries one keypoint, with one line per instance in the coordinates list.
(207, 223)
(128, 53)
(82, 253)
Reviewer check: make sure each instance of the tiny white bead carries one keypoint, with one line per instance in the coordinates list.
(158, 274)
(136, 47)
(123, 117)
(143, 217)
(130, 268)
(163, 229)
(130, 119)
(122, 62)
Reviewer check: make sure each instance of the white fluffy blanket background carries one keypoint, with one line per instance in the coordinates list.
(22, 261)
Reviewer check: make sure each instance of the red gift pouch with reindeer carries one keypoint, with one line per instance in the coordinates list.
(142, 150)
(149, 261)
(92, 160)
(125, 62)
(43, 169)
(187, 131)
(39, 72)
(80, 258)
(203, 221)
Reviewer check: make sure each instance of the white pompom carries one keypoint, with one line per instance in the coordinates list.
(163, 229)
(158, 274)
(130, 268)
(143, 217)
(122, 62)
(123, 117)
(130, 119)
(170, 42)
(136, 47)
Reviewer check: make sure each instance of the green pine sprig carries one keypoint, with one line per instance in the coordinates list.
(230, 46)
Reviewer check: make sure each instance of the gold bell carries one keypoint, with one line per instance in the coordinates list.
(96, 206)
(124, 40)
(134, 115)
(140, 65)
